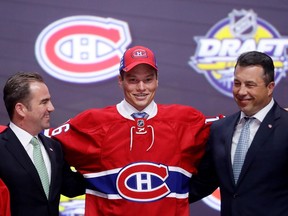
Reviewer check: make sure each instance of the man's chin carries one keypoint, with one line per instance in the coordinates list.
(243, 104)
(46, 126)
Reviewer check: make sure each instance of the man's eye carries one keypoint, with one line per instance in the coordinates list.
(250, 85)
(132, 80)
(44, 102)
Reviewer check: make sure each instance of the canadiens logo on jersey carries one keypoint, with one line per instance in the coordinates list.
(143, 182)
(140, 182)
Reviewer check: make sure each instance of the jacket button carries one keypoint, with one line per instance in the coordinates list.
(235, 195)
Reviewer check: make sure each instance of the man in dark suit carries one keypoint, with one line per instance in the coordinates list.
(33, 190)
(257, 184)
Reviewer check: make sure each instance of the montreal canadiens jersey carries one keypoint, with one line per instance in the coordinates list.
(135, 167)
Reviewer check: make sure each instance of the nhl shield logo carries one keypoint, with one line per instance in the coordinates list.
(243, 23)
(140, 123)
(141, 126)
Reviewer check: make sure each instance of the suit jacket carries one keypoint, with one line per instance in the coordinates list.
(27, 196)
(262, 188)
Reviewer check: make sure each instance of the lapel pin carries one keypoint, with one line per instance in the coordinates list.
(269, 125)
(51, 149)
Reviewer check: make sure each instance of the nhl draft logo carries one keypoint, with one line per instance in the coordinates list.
(82, 49)
(241, 31)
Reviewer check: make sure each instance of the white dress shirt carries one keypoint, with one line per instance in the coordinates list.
(254, 125)
(25, 138)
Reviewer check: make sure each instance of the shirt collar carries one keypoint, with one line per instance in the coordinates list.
(23, 136)
(260, 115)
(125, 109)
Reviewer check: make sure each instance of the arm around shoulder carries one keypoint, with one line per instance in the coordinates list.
(73, 183)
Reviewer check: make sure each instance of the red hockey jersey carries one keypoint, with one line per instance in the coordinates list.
(135, 167)
(4, 192)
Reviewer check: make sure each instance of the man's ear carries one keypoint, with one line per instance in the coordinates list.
(20, 109)
(120, 81)
(271, 87)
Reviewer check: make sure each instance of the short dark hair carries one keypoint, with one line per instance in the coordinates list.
(17, 89)
(258, 58)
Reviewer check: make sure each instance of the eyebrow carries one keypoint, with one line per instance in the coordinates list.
(45, 100)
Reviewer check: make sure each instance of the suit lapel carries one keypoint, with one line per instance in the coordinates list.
(264, 131)
(16, 149)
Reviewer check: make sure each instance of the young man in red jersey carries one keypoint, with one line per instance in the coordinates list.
(137, 156)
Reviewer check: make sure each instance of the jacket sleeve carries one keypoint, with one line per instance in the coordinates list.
(73, 183)
(65, 180)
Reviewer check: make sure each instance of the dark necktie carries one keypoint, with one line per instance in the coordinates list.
(242, 148)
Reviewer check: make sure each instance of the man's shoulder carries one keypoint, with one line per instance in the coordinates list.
(180, 113)
(187, 113)
(3, 128)
(6, 133)
(223, 121)
(87, 120)
(177, 108)
(3, 134)
(98, 114)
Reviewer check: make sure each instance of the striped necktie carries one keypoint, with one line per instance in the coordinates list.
(40, 165)
(242, 148)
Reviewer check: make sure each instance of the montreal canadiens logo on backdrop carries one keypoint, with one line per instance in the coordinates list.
(82, 49)
(143, 182)
(241, 31)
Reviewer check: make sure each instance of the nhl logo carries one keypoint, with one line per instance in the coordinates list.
(141, 129)
(140, 123)
(243, 23)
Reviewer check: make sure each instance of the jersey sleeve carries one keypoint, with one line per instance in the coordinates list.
(198, 132)
(4, 199)
(200, 128)
(80, 136)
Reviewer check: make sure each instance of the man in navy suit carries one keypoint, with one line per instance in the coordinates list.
(29, 105)
(261, 189)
